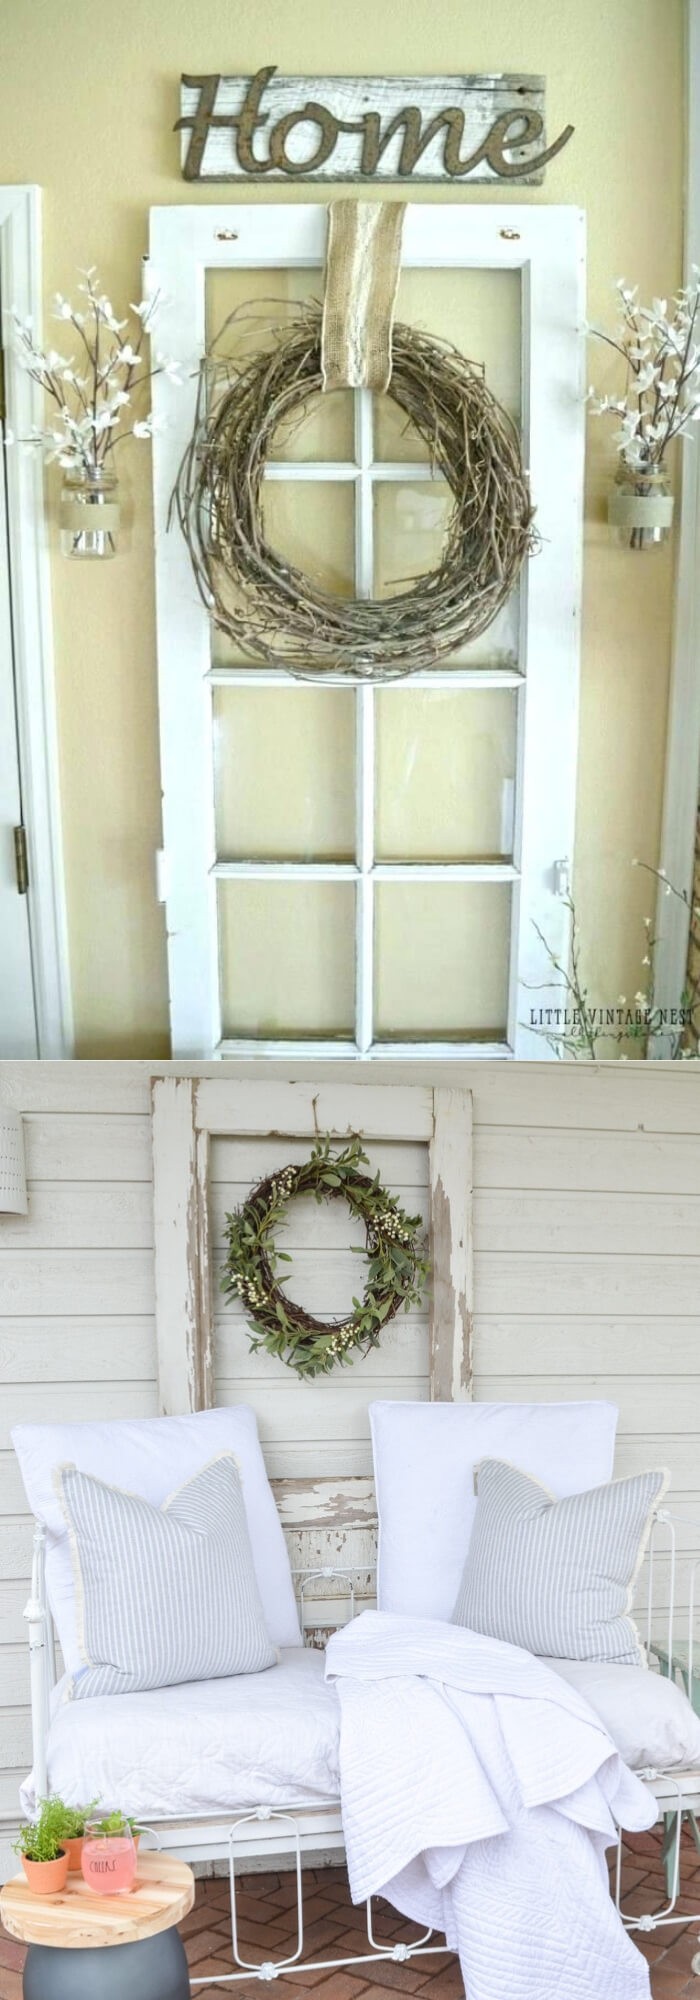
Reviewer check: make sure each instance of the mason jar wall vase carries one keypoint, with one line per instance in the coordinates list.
(89, 514)
(640, 507)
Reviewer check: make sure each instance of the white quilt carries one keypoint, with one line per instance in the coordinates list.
(479, 1794)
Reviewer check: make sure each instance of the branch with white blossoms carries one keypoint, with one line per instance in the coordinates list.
(95, 394)
(661, 396)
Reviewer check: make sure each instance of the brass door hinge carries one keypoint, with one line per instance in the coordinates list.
(21, 860)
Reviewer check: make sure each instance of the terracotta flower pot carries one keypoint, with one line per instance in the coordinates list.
(46, 1878)
(74, 1850)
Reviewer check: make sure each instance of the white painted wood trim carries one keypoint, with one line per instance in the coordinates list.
(180, 1215)
(20, 265)
(546, 245)
(452, 1247)
(682, 779)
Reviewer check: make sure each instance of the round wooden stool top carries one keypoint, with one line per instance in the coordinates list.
(162, 1894)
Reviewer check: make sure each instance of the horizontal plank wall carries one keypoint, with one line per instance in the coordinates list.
(586, 1277)
(77, 1333)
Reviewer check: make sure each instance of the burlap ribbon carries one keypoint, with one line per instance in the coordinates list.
(363, 263)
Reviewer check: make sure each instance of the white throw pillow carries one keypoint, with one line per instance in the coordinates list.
(424, 1460)
(648, 1717)
(151, 1456)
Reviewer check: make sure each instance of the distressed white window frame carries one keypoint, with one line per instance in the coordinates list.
(20, 269)
(187, 1112)
(546, 244)
(682, 779)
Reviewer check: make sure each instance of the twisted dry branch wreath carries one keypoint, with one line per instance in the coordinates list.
(278, 613)
(393, 1245)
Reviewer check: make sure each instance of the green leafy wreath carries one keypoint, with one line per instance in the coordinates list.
(394, 1246)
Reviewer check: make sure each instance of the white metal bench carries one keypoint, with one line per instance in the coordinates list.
(296, 1829)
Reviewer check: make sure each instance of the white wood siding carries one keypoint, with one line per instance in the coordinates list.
(586, 1257)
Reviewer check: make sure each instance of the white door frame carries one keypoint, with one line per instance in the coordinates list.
(682, 779)
(20, 269)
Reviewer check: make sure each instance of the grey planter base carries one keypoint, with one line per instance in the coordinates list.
(153, 1969)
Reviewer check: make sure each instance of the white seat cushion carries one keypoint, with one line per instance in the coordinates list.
(202, 1747)
(649, 1718)
(424, 1459)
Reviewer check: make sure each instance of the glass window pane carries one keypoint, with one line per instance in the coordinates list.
(479, 312)
(312, 523)
(410, 520)
(409, 531)
(441, 951)
(284, 770)
(445, 774)
(286, 957)
(259, 297)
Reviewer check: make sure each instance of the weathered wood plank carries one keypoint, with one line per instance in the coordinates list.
(505, 1282)
(528, 1342)
(16, 1742)
(106, 1088)
(326, 1285)
(604, 1163)
(667, 1224)
(403, 1351)
(13, 1597)
(325, 1227)
(305, 1109)
(81, 1215)
(367, 129)
(56, 1402)
(48, 1283)
(325, 1503)
(181, 1249)
(14, 1676)
(649, 1405)
(245, 1161)
(452, 1246)
(78, 1350)
(62, 1146)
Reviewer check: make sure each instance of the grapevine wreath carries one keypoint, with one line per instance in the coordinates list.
(393, 1245)
(276, 612)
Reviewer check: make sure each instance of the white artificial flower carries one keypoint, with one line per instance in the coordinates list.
(170, 368)
(143, 428)
(641, 999)
(647, 375)
(129, 356)
(62, 308)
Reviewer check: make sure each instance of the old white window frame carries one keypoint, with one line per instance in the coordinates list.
(21, 270)
(186, 1114)
(547, 246)
(682, 777)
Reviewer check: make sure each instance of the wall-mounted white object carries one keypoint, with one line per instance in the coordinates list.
(13, 1177)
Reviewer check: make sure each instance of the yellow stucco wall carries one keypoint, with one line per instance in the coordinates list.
(88, 97)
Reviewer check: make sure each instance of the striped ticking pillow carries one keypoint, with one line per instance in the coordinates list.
(557, 1576)
(164, 1594)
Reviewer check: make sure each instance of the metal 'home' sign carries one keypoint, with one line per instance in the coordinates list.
(451, 128)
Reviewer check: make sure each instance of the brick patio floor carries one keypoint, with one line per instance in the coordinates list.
(333, 1928)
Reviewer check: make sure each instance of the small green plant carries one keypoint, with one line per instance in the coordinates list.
(112, 1824)
(76, 1819)
(42, 1839)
